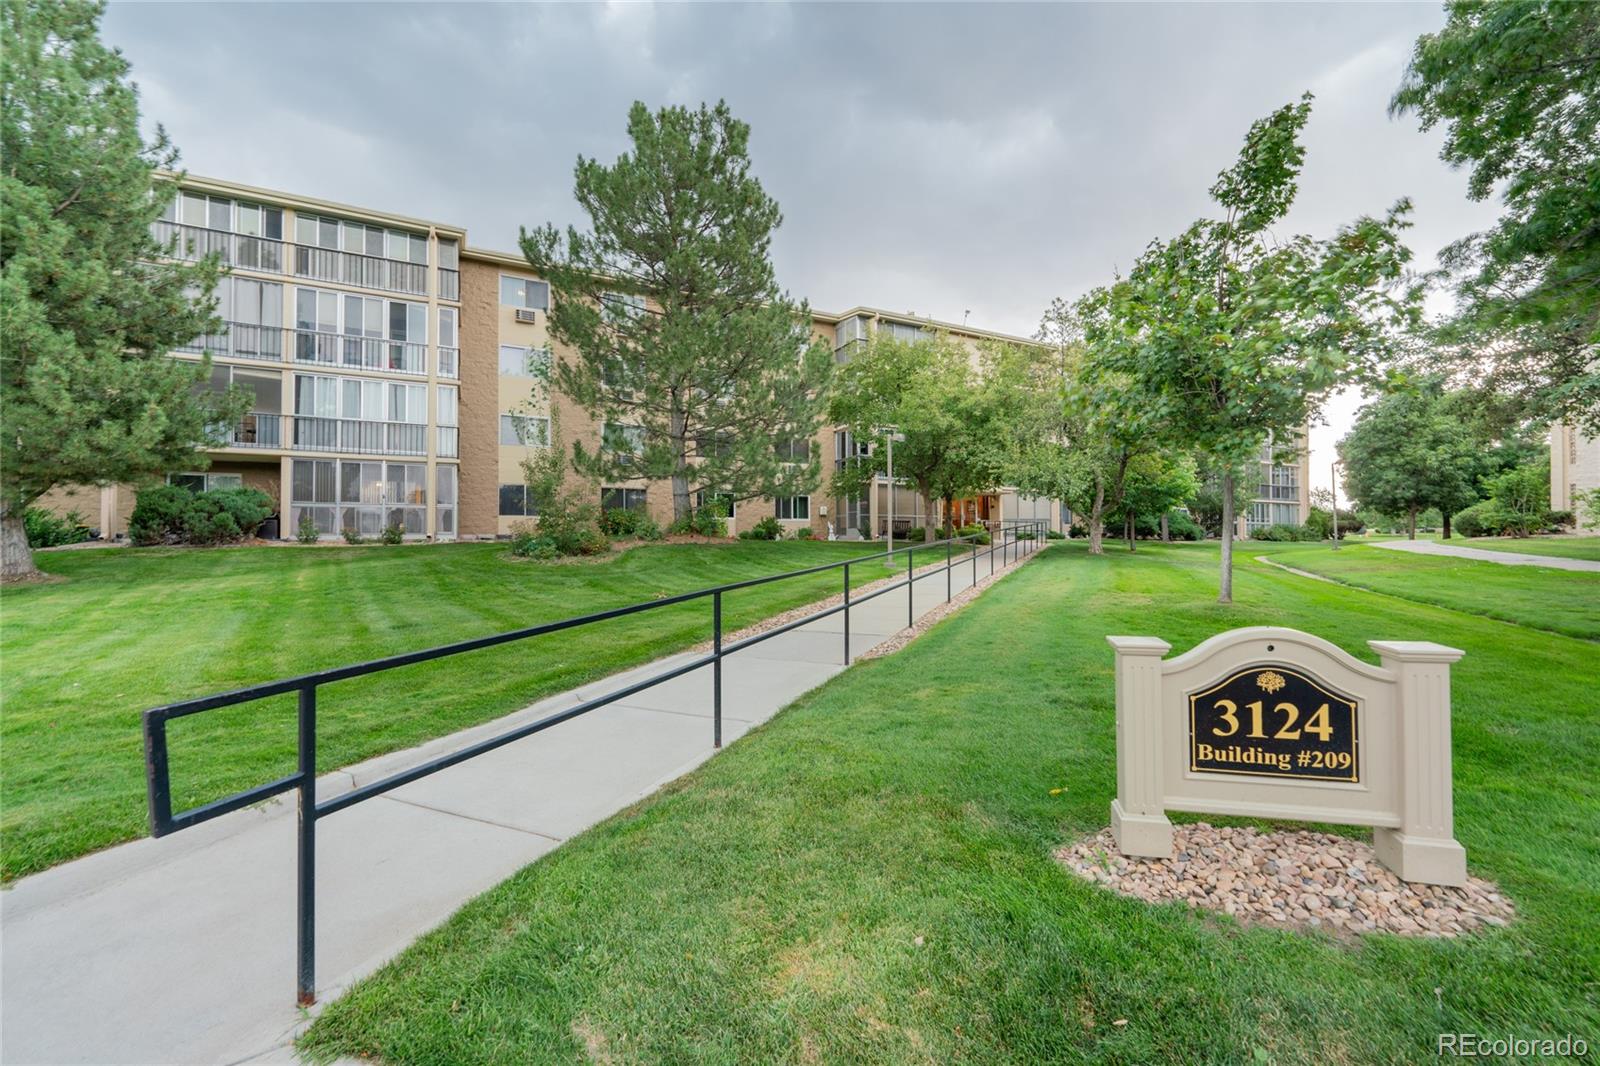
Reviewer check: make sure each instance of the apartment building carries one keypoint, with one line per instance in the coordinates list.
(1574, 469)
(1283, 489)
(397, 378)
(343, 325)
(871, 513)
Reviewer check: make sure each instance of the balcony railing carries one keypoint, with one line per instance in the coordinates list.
(356, 436)
(449, 362)
(359, 353)
(449, 284)
(366, 271)
(241, 340)
(1278, 492)
(259, 430)
(236, 249)
(449, 437)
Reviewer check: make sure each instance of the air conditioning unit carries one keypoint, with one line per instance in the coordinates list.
(527, 316)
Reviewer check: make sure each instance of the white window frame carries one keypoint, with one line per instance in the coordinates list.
(524, 282)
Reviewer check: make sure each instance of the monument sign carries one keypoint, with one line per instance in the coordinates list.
(1266, 722)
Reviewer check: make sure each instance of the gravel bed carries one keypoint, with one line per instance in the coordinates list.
(1292, 879)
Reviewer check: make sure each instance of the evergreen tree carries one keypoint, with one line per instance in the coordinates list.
(703, 370)
(88, 313)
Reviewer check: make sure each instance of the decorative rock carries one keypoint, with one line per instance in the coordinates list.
(1315, 881)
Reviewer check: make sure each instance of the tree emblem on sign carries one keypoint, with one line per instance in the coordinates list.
(1270, 681)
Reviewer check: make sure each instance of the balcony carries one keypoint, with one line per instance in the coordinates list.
(365, 271)
(235, 249)
(449, 362)
(359, 353)
(241, 340)
(1278, 492)
(449, 284)
(258, 430)
(449, 442)
(358, 437)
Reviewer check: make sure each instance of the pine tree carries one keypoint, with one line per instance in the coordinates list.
(702, 369)
(88, 312)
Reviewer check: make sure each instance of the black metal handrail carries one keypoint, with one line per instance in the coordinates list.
(304, 780)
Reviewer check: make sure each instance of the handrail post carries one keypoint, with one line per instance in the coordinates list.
(847, 612)
(974, 547)
(306, 874)
(716, 669)
(949, 557)
(911, 568)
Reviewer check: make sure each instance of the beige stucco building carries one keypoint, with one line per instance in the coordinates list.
(1574, 470)
(1282, 493)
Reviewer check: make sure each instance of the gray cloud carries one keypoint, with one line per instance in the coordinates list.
(931, 158)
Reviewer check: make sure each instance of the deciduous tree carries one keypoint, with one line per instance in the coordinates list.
(1516, 86)
(1229, 332)
(686, 346)
(88, 311)
(1407, 452)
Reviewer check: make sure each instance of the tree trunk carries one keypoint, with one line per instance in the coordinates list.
(1166, 534)
(1096, 518)
(1411, 524)
(1127, 528)
(16, 558)
(1225, 595)
(681, 504)
(1446, 524)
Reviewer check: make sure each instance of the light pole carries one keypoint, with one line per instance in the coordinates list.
(1334, 470)
(890, 434)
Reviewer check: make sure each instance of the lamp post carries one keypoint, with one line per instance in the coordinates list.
(1334, 470)
(890, 434)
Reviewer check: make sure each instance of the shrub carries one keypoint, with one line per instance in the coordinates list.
(1025, 534)
(46, 529)
(621, 522)
(1285, 532)
(352, 537)
(570, 522)
(1054, 534)
(171, 514)
(392, 534)
(766, 529)
(1320, 521)
(1519, 500)
(976, 531)
(708, 521)
(307, 533)
(1560, 520)
(527, 543)
(647, 528)
(804, 533)
(1181, 527)
(1474, 521)
(913, 534)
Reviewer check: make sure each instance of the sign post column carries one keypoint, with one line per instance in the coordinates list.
(1424, 848)
(1138, 820)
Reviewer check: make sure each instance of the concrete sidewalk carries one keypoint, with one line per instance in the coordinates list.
(1432, 547)
(182, 949)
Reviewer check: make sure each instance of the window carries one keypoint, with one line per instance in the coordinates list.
(621, 306)
(622, 439)
(360, 238)
(620, 499)
(524, 431)
(792, 508)
(524, 292)
(407, 403)
(793, 449)
(312, 492)
(519, 362)
(515, 502)
(448, 417)
(206, 482)
(449, 254)
(902, 331)
(447, 327)
(721, 500)
(848, 337)
(846, 447)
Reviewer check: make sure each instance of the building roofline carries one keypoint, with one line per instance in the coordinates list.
(297, 201)
(919, 320)
(490, 255)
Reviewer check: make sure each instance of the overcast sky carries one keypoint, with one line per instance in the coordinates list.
(959, 161)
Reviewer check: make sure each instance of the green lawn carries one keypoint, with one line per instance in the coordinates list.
(132, 629)
(868, 877)
(1561, 601)
(1563, 547)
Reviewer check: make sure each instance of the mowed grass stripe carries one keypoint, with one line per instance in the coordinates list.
(768, 907)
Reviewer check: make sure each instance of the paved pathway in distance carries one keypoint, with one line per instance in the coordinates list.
(1433, 547)
(182, 950)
